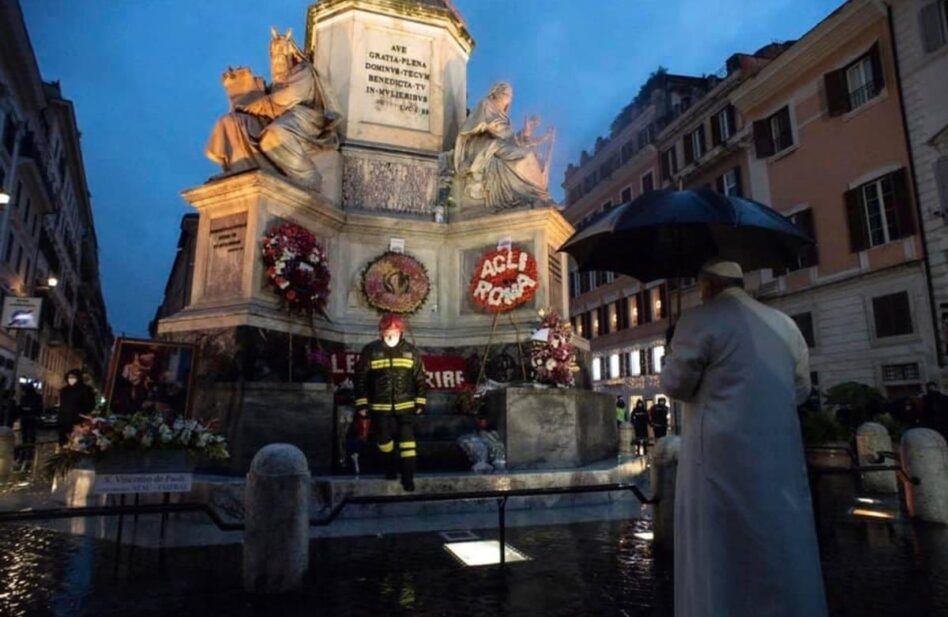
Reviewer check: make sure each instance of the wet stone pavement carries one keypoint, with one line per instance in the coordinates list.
(600, 568)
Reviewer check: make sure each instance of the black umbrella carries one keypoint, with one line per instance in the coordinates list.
(670, 234)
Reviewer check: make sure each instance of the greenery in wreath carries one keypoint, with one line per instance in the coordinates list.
(97, 436)
(395, 283)
(297, 266)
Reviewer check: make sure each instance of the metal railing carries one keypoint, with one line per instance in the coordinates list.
(120, 510)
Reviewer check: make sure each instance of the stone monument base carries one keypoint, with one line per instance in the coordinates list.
(255, 414)
(553, 428)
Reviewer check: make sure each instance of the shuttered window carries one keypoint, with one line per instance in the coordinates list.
(669, 163)
(730, 183)
(773, 134)
(941, 179)
(892, 315)
(879, 211)
(933, 23)
(810, 256)
(855, 84)
(694, 145)
(804, 321)
(722, 126)
(626, 196)
(648, 182)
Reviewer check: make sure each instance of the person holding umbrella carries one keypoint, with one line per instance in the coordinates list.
(745, 541)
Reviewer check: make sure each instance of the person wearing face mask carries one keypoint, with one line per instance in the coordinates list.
(390, 384)
(75, 399)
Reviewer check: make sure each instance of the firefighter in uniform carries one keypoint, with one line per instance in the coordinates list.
(390, 384)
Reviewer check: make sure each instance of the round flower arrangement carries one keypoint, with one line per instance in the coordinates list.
(395, 283)
(504, 279)
(297, 266)
(552, 354)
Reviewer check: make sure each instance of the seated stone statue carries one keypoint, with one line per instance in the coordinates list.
(493, 163)
(279, 128)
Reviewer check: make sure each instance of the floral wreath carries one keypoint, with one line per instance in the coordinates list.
(504, 279)
(297, 266)
(395, 283)
(552, 353)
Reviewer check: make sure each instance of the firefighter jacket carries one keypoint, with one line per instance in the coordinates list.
(390, 378)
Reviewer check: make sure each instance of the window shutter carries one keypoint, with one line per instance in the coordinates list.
(878, 76)
(719, 184)
(933, 32)
(941, 181)
(858, 234)
(738, 181)
(731, 120)
(904, 216)
(763, 140)
(837, 96)
(715, 130)
(646, 306)
(643, 362)
(785, 138)
(689, 152)
(663, 294)
(666, 171)
(701, 138)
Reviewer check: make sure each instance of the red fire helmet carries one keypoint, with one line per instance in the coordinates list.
(391, 322)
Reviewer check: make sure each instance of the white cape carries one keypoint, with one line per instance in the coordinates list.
(745, 540)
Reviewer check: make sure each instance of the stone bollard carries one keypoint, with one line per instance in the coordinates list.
(925, 456)
(662, 478)
(7, 452)
(276, 537)
(625, 438)
(872, 438)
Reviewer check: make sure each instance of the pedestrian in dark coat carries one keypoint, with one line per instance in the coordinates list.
(659, 418)
(640, 424)
(75, 399)
(29, 410)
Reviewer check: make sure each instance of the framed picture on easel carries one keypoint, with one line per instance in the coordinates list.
(151, 376)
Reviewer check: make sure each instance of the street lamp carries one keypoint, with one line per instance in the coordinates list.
(4, 197)
(52, 281)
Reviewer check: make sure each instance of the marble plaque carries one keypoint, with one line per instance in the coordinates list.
(225, 255)
(394, 184)
(395, 79)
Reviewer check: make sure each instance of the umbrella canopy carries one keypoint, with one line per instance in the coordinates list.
(668, 234)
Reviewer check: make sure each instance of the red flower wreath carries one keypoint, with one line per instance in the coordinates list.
(504, 279)
(297, 266)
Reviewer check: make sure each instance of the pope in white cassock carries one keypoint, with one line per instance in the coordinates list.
(745, 541)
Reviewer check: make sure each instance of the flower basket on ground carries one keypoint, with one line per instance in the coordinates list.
(139, 442)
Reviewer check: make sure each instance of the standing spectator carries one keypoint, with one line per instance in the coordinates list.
(29, 410)
(932, 409)
(745, 539)
(640, 424)
(659, 419)
(620, 410)
(75, 399)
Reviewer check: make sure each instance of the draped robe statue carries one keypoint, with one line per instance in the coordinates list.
(493, 163)
(279, 129)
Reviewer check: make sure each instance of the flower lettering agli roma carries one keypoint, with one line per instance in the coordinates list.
(504, 279)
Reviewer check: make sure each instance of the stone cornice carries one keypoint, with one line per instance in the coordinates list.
(842, 25)
(445, 17)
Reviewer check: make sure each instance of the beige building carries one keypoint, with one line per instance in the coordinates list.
(813, 128)
(48, 243)
(921, 44)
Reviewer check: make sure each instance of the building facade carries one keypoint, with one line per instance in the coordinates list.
(814, 129)
(48, 245)
(920, 31)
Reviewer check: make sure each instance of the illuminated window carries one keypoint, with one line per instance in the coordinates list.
(614, 365)
(635, 364)
(597, 369)
(658, 355)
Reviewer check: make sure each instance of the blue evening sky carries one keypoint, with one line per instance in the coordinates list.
(145, 79)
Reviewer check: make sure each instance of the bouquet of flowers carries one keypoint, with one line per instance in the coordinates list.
(98, 435)
(552, 354)
(297, 265)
